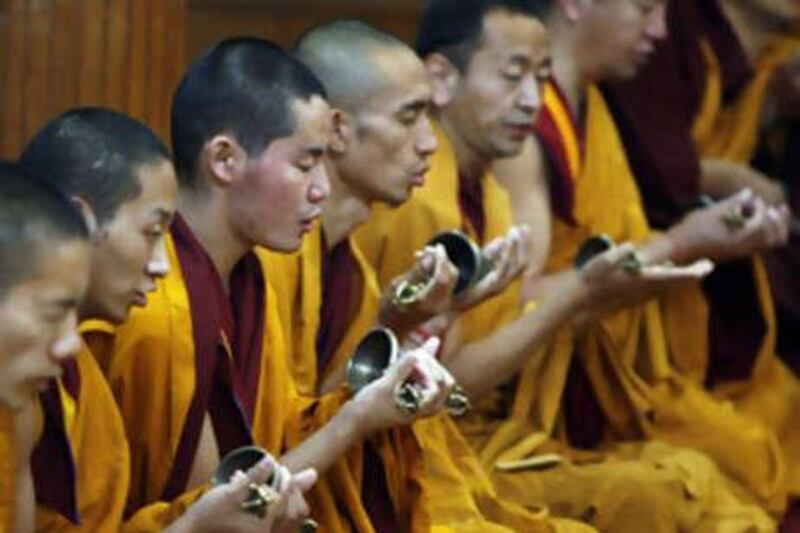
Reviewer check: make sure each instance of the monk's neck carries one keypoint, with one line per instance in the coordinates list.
(344, 211)
(206, 216)
(571, 67)
(753, 29)
(471, 163)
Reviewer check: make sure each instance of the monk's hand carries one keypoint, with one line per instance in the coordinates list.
(292, 489)
(737, 227)
(408, 390)
(420, 294)
(221, 508)
(509, 256)
(622, 276)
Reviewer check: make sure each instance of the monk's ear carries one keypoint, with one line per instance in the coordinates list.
(87, 213)
(444, 78)
(342, 129)
(223, 159)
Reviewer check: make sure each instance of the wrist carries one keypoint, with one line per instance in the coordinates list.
(353, 421)
(676, 244)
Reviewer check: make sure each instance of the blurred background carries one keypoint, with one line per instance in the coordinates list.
(130, 54)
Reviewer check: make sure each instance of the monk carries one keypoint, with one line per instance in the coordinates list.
(249, 125)
(44, 271)
(469, 89)
(583, 153)
(732, 114)
(126, 189)
(379, 152)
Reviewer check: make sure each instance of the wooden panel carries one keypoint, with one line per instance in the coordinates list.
(284, 21)
(58, 54)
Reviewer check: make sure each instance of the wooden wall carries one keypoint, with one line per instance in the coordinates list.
(283, 21)
(130, 54)
(58, 54)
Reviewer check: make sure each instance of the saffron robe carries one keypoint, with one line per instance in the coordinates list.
(298, 278)
(715, 98)
(390, 239)
(446, 487)
(644, 397)
(80, 463)
(770, 391)
(174, 358)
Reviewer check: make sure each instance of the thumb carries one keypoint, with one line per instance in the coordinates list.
(403, 368)
(494, 250)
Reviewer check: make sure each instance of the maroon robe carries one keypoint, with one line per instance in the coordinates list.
(220, 390)
(52, 461)
(655, 113)
(584, 418)
(340, 295)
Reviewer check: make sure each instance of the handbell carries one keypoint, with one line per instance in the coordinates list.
(373, 355)
(243, 459)
(598, 244)
(467, 257)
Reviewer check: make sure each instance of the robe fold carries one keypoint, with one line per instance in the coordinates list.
(669, 120)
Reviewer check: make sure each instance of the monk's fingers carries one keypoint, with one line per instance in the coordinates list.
(296, 507)
(425, 262)
(698, 269)
(304, 480)
(262, 471)
(778, 222)
(608, 262)
(494, 249)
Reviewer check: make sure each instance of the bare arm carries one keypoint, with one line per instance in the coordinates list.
(525, 177)
(720, 178)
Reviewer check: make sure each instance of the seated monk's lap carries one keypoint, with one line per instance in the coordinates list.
(651, 487)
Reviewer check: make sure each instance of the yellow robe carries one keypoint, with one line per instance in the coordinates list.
(149, 362)
(297, 278)
(448, 488)
(8, 469)
(652, 472)
(464, 496)
(730, 131)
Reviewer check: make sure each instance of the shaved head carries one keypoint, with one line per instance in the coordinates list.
(352, 59)
(33, 216)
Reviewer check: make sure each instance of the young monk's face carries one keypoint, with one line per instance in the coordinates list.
(495, 102)
(390, 139)
(38, 320)
(279, 196)
(619, 36)
(129, 252)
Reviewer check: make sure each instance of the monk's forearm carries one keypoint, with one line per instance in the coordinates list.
(481, 366)
(720, 178)
(322, 449)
